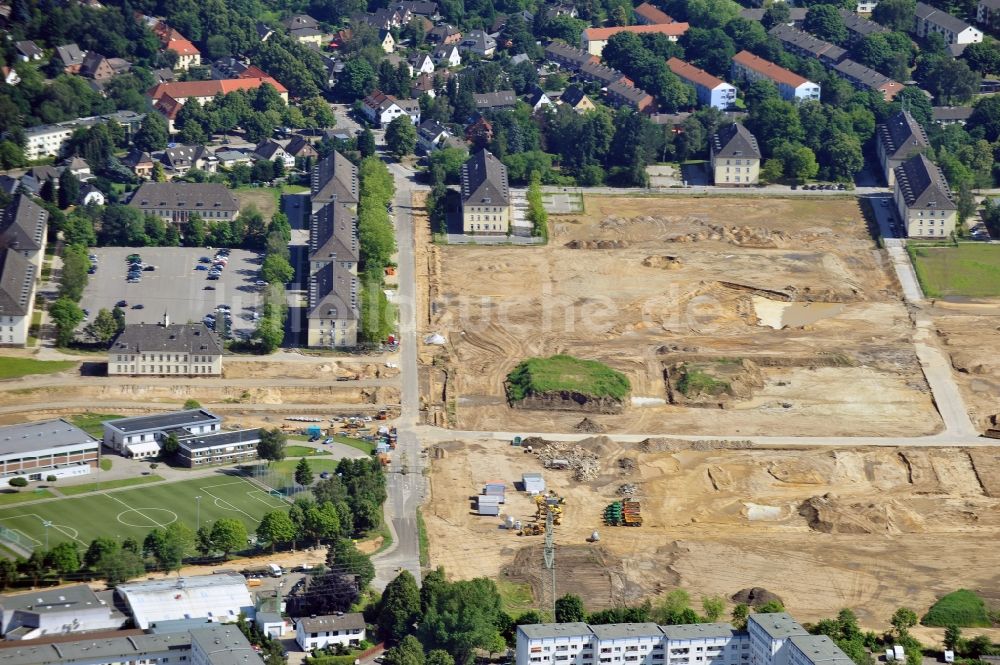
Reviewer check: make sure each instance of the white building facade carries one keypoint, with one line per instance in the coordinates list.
(319, 632)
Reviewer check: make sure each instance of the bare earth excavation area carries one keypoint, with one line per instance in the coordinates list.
(793, 293)
(872, 529)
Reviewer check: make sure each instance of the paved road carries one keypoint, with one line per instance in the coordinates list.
(782, 191)
(406, 482)
(88, 404)
(48, 380)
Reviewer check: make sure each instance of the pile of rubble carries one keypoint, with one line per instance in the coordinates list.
(654, 445)
(583, 462)
(628, 489)
(589, 426)
(741, 236)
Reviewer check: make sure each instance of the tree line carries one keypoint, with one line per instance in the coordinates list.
(377, 243)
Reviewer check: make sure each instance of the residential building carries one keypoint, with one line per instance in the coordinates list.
(139, 162)
(735, 157)
(803, 44)
(951, 115)
(923, 199)
(17, 296)
(860, 27)
(479, 43)
(537, 99)
(78, 166)
(865, 6)
(320, 632)
(228, 447)
(271, 150)
(447, 55)
(431, 134)
(90, 195)
(96, 66)
(791, 86)
(28, 50)
(988, 12)
(620, 93)
(561, 9)
(954, 31)
(423, 85)
(576, 99)
(710, 91)
(593, 40)
(140, 436)
(71, 57)
(10, 75)
(304, 29)
(648, 14)
(334, 306)
(387, 41)
(165, 349)
(299, 148)
(333, 178)
(210, 645)
(815, 650)
(58, 611)
(486, 200)
(418, 7)
(796, 15)
(187, 54)
(381, 109)
(420, 63)
(898, 139)
(205, 91)
(480, 132)
(768, 635)
(36, 450)
(444, 35)
(182, 158)
(24, 228)
(567, 56)
(230, 158)
(492, 101)
(605, 76)
(866, 78)
(299, 21)
(217, 598)
(49, 140)
(333, 237)
(177, 201)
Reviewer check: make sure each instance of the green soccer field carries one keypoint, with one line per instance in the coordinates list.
(135, 512)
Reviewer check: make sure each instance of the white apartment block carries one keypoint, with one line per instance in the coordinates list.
(767, 641)
(791, 86)
(953, 30)
(48, 140)
(866, 6)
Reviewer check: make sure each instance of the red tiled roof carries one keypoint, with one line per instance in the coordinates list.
(669, 29)
(185, 89)
(768, 69)
(168, 106)
(181, 47)
(691, 73)
(653, 14)
(253, 72)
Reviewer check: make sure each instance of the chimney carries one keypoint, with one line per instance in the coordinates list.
(166, 320)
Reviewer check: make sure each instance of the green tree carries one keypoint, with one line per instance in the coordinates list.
(569, 609)
(276, 270)
(739, 616)
(152, 135)
(171, 445)
(190, 404)
(272, 445)
(344, 557)
(358, 78)
(119, 566)
(399, 609)
(462, 617)
(203, 540)
(69, 188)
(66, 315)
(952, 637)
(8, 573)
(366, 143)
(177, 542)
(896, 14)
(537, 214)
(902, 620)
(64, 558)
(979, 645)
(409, 651)
(275, 528)
(194, 233)
(18, 482)
(770, 607)
(73, 279)
(158, 175)
(843, 157)
(104, 327)
(303, 472)
(714, 606)
(799, 161)
(98, 547)
(825, 22)
(228, 536)
(439, 657)
(401, 136)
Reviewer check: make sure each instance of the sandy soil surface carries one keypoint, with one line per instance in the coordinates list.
(320, 369)
(636, 281)
(870, 529)
(969, 334)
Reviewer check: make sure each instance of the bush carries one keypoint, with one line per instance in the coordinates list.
(18, 482)
(50, 479)
(105, 464)
(566, 374)
(959, 608)
(696, 381)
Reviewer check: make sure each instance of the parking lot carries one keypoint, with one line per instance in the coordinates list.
(175, 286)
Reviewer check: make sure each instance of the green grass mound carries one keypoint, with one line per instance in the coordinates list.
(959, 608)
(695, 381)
(538, 376)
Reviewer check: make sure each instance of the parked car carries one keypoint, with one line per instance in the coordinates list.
(200, 267)
(149, 268)
(138, 306)
(213, 277)
(209, 287)
(204, 259)
(121, 303)
(133, 257)
(92, 257)
(91, 270)
(324, 475)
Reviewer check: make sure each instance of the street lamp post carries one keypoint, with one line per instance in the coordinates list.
(198, 499)
(46, 524)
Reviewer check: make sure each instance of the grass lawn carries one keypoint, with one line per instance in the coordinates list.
(970, 269)
(13, 368)
(265, 198)
(318, 466)
(515, 598)
(566, 373)
(135, 512)
(960, 608)
(303, 451)
(10, 498)
(73, 490)
(91, 423)
(425, 543)
(367, 447)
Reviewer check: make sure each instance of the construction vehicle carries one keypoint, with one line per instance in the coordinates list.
(623, 513)
(531, 530)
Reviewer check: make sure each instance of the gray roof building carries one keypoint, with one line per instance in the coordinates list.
(190, 197)
(690, 631)
(618, 631)
(212, 439)
(333, 234)
(923, 185)
(29, 49)
(539, 631)
(27, 437)
(23, 225)
(17, 279)
(191, 338)
(804, 44)
(778, 625)
(948, 115)
(70, 55)
(502, 99)
(925, 12)
(333, 293)
(595, 71)
(795, 14)
(901, 136)
(478, 41)
(820, 650)
(858, 26)
(300, 21)
(163, 421)
(318, 624)
(56, 611)
(334, 178)
(735, 140)
(484, 181)
(568, 56)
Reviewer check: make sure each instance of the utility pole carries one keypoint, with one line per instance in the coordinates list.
(549, 554)
(198, 499)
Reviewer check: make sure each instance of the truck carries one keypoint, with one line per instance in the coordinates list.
(267, 570)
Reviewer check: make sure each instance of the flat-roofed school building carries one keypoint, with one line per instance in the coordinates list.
(46, 448)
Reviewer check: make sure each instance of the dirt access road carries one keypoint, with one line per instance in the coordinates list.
(798, 288)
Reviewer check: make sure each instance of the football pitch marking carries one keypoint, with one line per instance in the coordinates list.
(225, 505)
(67, 531)
(139, 512)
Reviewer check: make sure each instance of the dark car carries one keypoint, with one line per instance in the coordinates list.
(213, 277)
(139, 306)
(149, 268)
(200, 267)
(204, 259)
(209, 287)
(121, 303)
(325, 475)
(91, 270)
